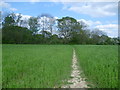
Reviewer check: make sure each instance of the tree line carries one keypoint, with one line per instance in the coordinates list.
(45, 29)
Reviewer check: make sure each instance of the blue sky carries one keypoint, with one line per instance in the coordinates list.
(102, 15)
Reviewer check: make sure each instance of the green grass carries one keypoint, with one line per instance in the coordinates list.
(100, 64)
(47, 66)
(0, 66)
(35, 66)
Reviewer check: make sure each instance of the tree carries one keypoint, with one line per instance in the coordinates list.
(55, 39)
(0, 20)
(51, 24)
(9, 20)
(18, 19)
(47, 23)
(43, 22)
(46, 34)
(83, 25)
(67, 26)
(16, 35)
(33, 24)
(24, 23)
(96, 35)
(16, 30)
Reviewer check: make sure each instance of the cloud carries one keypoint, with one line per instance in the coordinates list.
(33, 1)
(13, 9)
(107, 26)
(24, 16)
(83, 0)
(62, 0)
(56, 17)
(94, 9)
(110, 29)
(7, 6)
(90, 22)
(4, 5)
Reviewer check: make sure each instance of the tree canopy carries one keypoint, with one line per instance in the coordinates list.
(45, 29)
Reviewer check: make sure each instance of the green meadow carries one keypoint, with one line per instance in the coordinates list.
(47, 66)
(100, 64)
(35, 66)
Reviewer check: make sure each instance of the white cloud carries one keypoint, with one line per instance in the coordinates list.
(24, 16)
(107, 26)
(110, 29)
(93, 9)
(13, 9)
(7, 6)
(33, 1)
(56, 17)
(62, 0)
(90, 22)
(85, 0)
(4, 5)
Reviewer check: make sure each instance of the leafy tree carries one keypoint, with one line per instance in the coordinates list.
(33, 24)
(51, 24)
(9, 20)
(67, 26)
(46, 34)
(24, 23)
(16, 35)
(47, 23)
(43, 22)
(18, 19)
(55, 39)
(17, 31)
(96, 35)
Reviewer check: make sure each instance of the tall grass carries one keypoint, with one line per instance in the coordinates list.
(0, 66)
(35, 66)
(100, 64)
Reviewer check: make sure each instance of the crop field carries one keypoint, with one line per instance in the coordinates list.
(100, 64)
(46, 66)
(35, 66)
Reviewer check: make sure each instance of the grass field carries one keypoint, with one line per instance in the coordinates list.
(35, 66)
(100, 64)
(45, 66)
(0, 66)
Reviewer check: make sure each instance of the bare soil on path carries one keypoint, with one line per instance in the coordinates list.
(76, 80)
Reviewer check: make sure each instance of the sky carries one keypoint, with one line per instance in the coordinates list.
(101, 15)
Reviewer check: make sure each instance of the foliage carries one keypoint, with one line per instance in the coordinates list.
(33, 23)
(100, 64)
(16, 35)
(68, 27)
(39, 30)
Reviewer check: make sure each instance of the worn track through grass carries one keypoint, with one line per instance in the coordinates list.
(76, 80)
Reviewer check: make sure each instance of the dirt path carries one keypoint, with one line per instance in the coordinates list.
(76, 80)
